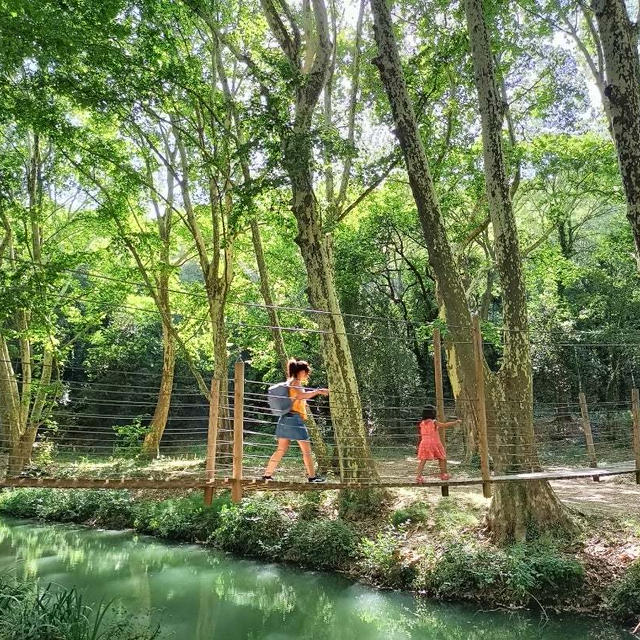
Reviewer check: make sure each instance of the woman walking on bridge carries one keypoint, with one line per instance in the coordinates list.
(291, 425)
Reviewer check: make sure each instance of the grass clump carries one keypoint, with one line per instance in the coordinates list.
(105, 508)
(28, 612)
(450, 517)
(415, 513)
(381, 561)
(360, 504)
(321, 544)
(624, 595)
(310, 505)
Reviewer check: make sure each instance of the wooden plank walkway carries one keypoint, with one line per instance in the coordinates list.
(286, 485)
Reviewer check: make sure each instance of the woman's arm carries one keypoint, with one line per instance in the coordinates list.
(301, 394)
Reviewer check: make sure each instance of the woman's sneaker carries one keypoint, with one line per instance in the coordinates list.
(317, 479)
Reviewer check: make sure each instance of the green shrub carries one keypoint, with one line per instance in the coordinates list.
(28, 612)
(22, 503)
(413, 514)
(358, 504)
(518, 574)
(624, 595)
(463, 571)
(381, 561)
(114, 509)
(129, 438)
(541, 571)
(321, 544)
(252, 528)
(67, 505)
(185, 519)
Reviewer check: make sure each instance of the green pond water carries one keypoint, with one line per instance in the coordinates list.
(196, 593)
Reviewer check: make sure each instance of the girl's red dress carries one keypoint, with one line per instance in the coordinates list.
(430, 447)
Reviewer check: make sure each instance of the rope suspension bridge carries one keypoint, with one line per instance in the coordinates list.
(224, 443)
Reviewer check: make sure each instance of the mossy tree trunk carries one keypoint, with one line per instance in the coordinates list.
(535, 504)
(619, 42)
(354, 454)
(516, 506)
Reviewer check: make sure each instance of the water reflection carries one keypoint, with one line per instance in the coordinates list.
(196, 593)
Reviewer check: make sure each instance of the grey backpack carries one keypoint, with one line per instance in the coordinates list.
(279, 401)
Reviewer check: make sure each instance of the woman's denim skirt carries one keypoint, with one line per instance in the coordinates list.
(291, 426)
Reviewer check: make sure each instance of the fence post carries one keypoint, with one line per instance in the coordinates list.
(238, 415)
(212, 438)
(588, 435)
(437, 370)
(483, 443)
(635, 410)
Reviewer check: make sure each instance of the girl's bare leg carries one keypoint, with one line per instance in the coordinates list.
(274, 461)
(443, 466)
(305, 447)
(421, 464)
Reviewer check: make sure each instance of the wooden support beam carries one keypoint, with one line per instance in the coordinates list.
(212, 438)
(437, 370)
(588, 435)
(238, 435)
(635, 411)
(483, 442)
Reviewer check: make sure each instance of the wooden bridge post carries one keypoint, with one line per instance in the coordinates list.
(238, 436)
(483, 442)
(212, 438)
(635, 410)
(588, 435)
(437, 370)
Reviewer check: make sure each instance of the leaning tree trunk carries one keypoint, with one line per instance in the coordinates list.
(151, 444)
(10, 411)
(451, 293)
(34, 419)
(622, 99)
(221, 373)
(516, 505)
(319, 445)
(352, 442)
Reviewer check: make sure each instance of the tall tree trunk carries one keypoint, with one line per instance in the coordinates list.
(319, 445)
(354, 453)
(352, 442)
(531, 503)
(622, 99)
(265, 290)
(516, 505)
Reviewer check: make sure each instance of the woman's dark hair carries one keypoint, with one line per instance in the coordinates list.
(429, 412)
(296, 366)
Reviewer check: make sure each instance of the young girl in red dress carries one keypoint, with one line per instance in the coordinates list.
(430, 446)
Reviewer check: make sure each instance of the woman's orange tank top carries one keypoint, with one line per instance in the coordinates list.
(299, 405)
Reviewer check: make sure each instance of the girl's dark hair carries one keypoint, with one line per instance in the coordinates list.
(429, 412)
(294, 367)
